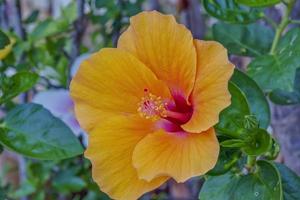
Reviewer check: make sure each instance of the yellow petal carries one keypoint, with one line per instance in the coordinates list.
(165, 46)
(111, 82)
(110, 150)
(210, 95)
(180, 156)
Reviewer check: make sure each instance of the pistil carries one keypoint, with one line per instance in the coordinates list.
(180, 117)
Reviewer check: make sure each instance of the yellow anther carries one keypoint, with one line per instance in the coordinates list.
(151, 107)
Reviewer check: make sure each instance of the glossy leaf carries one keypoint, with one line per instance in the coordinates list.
(278, 71)
(33, 131)
(18, 83)
(273, 151)
(253, 141)
(257, 141)
(258, 3)
(227, 159)
(258, 103)
(232, 118)
(233, 143)
(230, 11)
(4, 40)
(250, 122)
(245, 40)
(290, 183)
(287, 98)
(264, 184)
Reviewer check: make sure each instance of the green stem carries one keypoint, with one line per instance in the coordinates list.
(283, 24)
(271, 22)
(295, 21)
(251, 161)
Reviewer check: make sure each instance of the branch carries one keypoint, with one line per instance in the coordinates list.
(18, 23)
(283, 24)
(4, 23)
(117, 24)
(79, 28)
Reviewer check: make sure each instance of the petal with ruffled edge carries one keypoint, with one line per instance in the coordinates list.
(178, 155)
(210, 95)
(164, 46)
(111, 82)
(110, 150)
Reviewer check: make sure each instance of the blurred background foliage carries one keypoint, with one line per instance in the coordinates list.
(42, 43)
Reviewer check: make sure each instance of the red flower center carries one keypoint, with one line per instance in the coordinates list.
(171, 114)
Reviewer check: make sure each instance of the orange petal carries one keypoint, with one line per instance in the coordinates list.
(110, 150)
(165, 46)
(210, 95)
(111, 82)
(180, 156)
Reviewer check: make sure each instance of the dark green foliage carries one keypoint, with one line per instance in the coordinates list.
(4, 40)
(258, 3)
(245, 40)
(42, 58)
(263, 184)
(18, 83)
(284, 97)
(232, 118)
(258, 103)
(230, 11)
(278, 71)
(290, 183)
(33, 131)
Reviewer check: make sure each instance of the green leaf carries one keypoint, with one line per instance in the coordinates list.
(232, 118)
(2, 193)
(257, 141)
(4, 40)
(26, 188)
(253, 141)
(264, 184)
(233, 143)
(48, 28)
(278, 71)
(43, 169)
(258, 3)
(258, 103)
(290, 183)
(66, 182)
(245, 40)
(287, 98)
(32, 17)
(18, 83)
(69, 12)
(33, 131)
(250, 122)
(273, 150)
(227, 159)
(230, 11)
